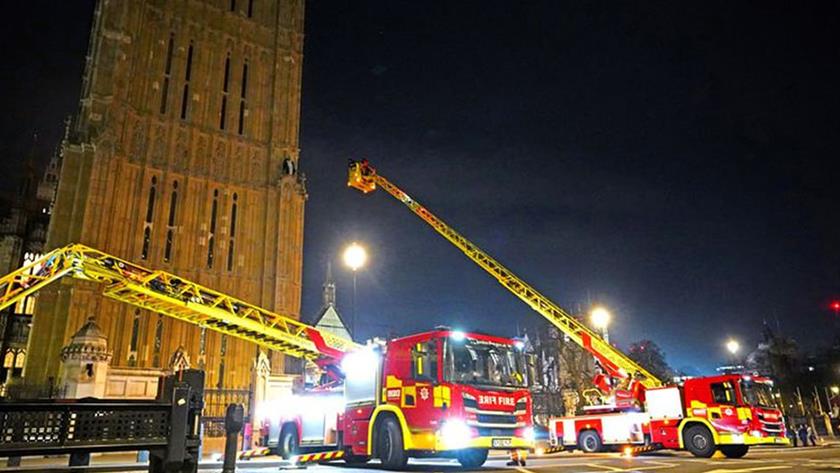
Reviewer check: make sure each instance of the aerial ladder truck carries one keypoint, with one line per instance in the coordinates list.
(438, 393)
(726, 413)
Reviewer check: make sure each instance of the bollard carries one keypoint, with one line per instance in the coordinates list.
(234, 417)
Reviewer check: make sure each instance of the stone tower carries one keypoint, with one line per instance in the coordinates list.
(182, 156)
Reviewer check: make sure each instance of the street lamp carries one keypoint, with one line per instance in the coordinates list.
(355, 256)
(600, 318)
(733, 346)
(835, 390)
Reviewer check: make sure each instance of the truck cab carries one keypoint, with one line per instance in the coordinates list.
(733, 411)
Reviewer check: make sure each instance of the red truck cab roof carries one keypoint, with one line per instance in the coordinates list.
(447, 332)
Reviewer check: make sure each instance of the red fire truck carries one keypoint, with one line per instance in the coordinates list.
(438, 393)
(727, 413)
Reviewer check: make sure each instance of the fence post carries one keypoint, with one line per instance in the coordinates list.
(234, 417)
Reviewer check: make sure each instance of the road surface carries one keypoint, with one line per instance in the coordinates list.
(810, 459)
(815, 459)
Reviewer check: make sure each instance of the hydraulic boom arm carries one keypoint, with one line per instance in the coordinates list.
(363, 177)
(171, 295)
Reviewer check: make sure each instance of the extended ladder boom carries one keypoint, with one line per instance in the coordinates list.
(363, 176)
(174, 296)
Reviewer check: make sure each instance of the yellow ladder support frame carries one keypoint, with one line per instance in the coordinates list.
(364, 177)
(173, 296)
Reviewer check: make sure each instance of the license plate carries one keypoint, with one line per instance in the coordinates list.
(501, 443)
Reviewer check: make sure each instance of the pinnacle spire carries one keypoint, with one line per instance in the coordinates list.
(329, 288)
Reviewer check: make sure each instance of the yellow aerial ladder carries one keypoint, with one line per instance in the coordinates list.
(174, 296)
(364, 177)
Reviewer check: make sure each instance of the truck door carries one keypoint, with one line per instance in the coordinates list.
(724, 413)
(419, 402)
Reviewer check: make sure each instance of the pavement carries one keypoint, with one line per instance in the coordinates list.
(825, 458)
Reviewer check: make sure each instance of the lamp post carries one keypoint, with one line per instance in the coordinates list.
(355, 256)
(600, 318)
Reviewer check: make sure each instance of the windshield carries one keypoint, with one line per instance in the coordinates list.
(484, 363)
(757, 394)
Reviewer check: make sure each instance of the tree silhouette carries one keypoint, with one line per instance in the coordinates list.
(650, 356)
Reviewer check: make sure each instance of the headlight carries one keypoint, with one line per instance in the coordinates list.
(455, 434)
(528, 434)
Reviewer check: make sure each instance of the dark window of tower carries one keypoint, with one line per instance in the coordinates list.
(147, 237)
(233, 216)
(232, 232)
(184, 101)
(222, 352)
(135, 330)
(147, 225)
(150, 206)
(170, 231)
(185, 94)
(232, 5)
(158, 341)
(250, 8)
(225, 88)
(173, 201)
(164, 91)
(226, 83)
(135, 335)
(188, 72)
(244, 90)
(242, 95)
(211, 240)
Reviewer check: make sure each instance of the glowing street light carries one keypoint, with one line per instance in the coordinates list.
(835, 390)
(600, 318)
(355, 256)
(733, 346)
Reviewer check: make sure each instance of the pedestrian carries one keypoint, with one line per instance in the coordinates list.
(517, 457)
(791, 433)
(803, 435)
(812, 436)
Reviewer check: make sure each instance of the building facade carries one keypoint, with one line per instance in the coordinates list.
(23, 233)
(182, 156)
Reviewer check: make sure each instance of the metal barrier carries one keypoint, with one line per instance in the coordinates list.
(167, 427)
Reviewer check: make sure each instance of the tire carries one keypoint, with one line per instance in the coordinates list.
(589, 441)
(734, 451)
(699, 441)
(287, 444)
(472, 457)
(390, 445)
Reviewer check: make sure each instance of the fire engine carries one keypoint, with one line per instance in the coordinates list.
(702, 415)
(438, 393)
(444, 392)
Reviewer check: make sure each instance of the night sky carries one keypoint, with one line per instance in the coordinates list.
(675, 162)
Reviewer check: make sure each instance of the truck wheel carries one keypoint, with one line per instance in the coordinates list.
(734, 451)
(390, 445)
(472, 457)
(699, 441)
(287, 445)
(589, 441)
